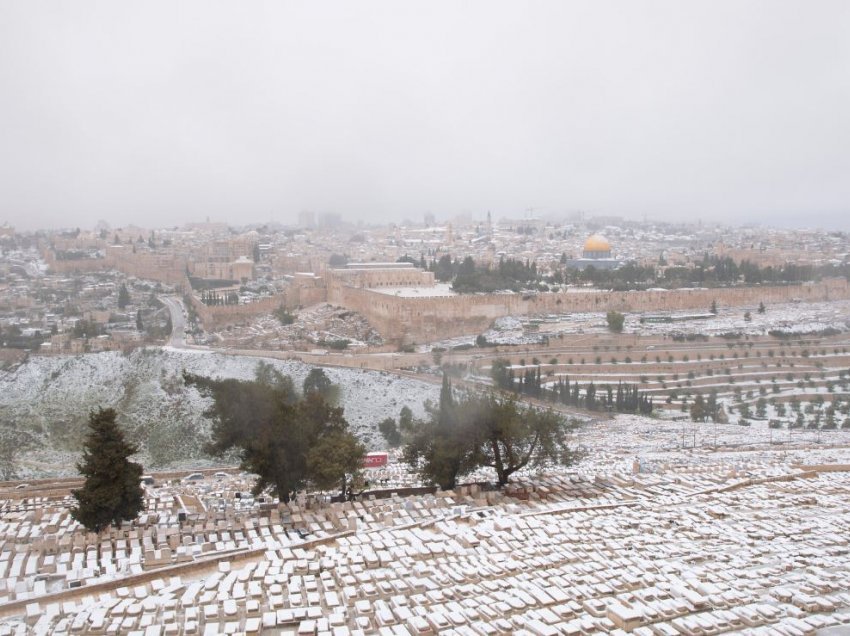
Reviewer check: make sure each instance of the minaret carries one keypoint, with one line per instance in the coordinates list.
(489, 226)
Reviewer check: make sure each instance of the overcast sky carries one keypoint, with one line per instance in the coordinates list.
(158, 113)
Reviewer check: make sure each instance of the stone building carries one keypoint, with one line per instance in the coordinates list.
(597, 254)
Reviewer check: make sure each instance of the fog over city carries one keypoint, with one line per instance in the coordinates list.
(161, 113)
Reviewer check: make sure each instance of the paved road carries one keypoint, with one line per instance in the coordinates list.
(178, 320)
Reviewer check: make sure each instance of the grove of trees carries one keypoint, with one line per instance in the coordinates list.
(623, 398)
(711, 271)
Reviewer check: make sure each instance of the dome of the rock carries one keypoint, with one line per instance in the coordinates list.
(597, 243)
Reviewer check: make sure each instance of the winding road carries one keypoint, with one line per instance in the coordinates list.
(178, 320)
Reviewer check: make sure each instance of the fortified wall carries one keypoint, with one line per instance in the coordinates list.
(413, 320)
(216, 316)
(165, 268)
(406, 319)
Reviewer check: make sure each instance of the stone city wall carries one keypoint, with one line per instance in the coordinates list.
(165, 268)
(217, 316)
(412, 320)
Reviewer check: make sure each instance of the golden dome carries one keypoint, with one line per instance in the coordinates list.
(597, 243)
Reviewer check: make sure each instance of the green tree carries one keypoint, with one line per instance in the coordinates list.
(112, 491)
(761, 308)
(405, 420)
(123, 296)
(441, 450)
(698, 409)
(317, 381)
(276, 434)
(389, 430)
(615, 321)
(511, 438)
(284, 316)
(335, 461)
(712, 408)
(139, 325)
(267, 375)
(500, 371)
(338, 260)
(472, 432)
(713, 308)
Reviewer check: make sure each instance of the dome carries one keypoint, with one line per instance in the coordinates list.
(597, 243)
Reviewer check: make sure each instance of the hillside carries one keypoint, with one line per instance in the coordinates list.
(50, 397)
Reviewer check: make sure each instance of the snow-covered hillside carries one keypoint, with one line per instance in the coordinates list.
(52, 396)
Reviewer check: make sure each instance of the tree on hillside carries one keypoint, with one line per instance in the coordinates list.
(336, 461)
(512, 438)
(615, 321)
(112, 491)
(284, 316)
(123, 296)
(712, 407)
(464, 434)
(699, 411)
(275, 433)
(500, 371)
(317, 381)
(439, 449)
(267, 375)
(389, 430)
(405, 420)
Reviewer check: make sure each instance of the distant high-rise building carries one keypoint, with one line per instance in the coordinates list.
(329, 219)
(430, 220)
(307, 219)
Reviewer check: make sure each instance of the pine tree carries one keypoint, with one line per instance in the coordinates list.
(123, 296)
(446, 399)
(698, 410)
(317, 381)
(112, 492)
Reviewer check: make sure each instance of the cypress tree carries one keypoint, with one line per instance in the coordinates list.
(123, 296)
(446, 398)
(112, 492)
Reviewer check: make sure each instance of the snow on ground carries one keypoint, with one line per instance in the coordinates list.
(52, 396)
(790, 318)
(312, 325)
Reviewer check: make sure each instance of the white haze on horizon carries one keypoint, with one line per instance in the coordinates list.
(159, 113)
